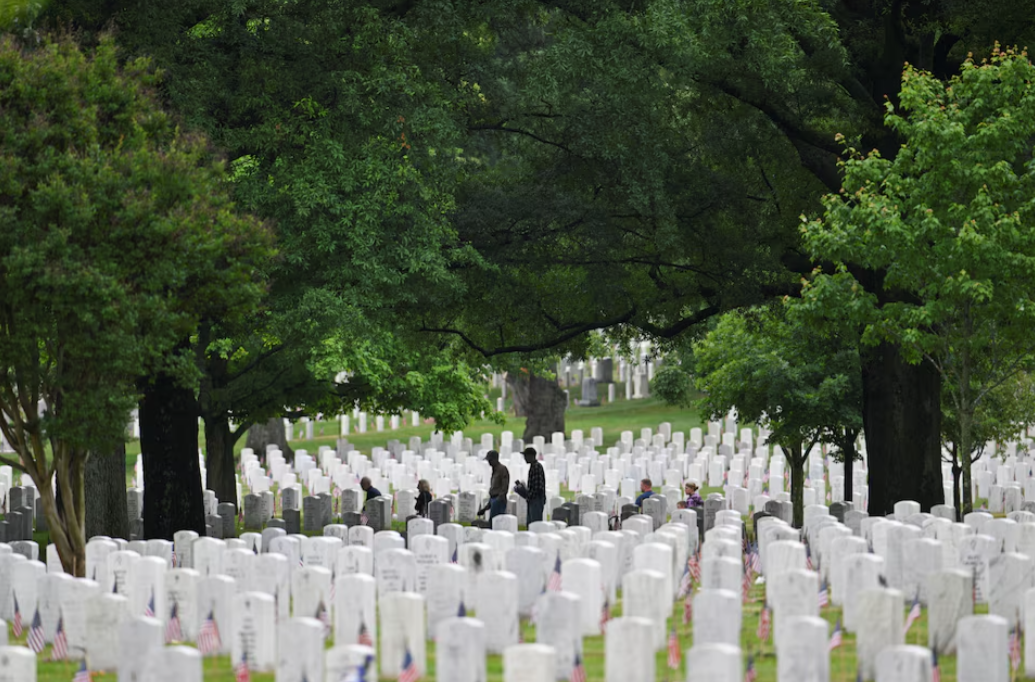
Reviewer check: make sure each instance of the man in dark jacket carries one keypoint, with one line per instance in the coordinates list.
(498, 486)
(536, 488)
(371, 491)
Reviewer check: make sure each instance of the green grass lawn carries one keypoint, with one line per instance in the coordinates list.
(613, 418)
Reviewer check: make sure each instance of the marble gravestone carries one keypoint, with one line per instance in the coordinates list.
(300, 651)
(253, 631)
(558, 624)
(981, 646)
(949, 597)
(629, 650)
(460, 650)
(879, 625)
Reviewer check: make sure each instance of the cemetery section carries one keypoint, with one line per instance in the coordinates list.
(309, 580)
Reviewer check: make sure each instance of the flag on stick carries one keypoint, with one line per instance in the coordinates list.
(174, 629)
(835, 639)
(242, 672)
(578, 673)
(59, 650)
(409, 669)
(914, 613)
(17, 625)
(675, 655)
(764, 624)
(209, 641)
(554, 583)
(35, 641)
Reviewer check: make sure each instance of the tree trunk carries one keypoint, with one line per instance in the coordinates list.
(173, 498)
(270, 433)
(219, 457)
(902, 420)
(849, 453)
(518, 382)
(544, 408)
(966, 489)
(957, 470)
(105, 485)
(797, 462)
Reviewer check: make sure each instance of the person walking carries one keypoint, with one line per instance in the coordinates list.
(499, 485)
(423, 497)
(535, 491)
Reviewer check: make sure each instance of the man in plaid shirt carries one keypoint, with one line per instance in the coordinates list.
(536, 488)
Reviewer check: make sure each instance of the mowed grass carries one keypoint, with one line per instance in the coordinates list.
(613, 418)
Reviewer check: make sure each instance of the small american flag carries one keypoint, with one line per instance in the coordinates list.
(241, 672)
(808, 558)
(174, 629)
(462, 611)
(763, 624)
(688, 609)
(59, 651)
(675, 656)
(208, 639)
(605, 614)
(36, 641)
(322, 616)
(578, 673)
(824, 596)
(17, 618)
(409, 669)
(455, 554)
(835, 639)
(83, 674)
(554, 582)
(694, 565)
(914, 613)
(149, 610)
(745, 588)
(364, 635)
(685, 581)
(936, 673)
(172, 560)
(1015, 647)
(750, 675)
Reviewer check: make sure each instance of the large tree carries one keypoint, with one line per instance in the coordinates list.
(116, 234)
(948, 221)
(340, 130)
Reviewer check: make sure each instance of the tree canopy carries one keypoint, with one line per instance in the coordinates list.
(948, 223)
(802, 384)
(117, 237)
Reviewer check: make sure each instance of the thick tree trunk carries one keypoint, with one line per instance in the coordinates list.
(544, 408)
(902, 420)
(173, 498)
(518, 383)
(219, 457)
(105, 485)
(957, 470)
(270, 433)
(797, 464)
(849, 453)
